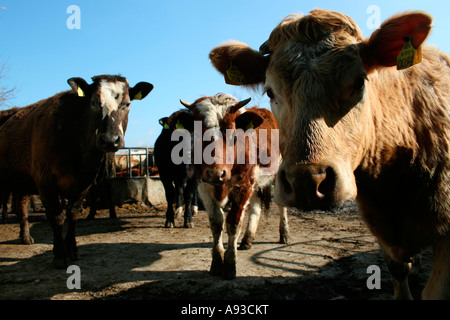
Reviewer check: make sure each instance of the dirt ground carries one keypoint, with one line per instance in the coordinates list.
(134, 257)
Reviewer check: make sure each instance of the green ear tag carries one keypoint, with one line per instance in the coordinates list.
(80, 92)
(166, 126)
(250, 126)
(179, 125)
(409, 56)
(138, 96)
(235, 75)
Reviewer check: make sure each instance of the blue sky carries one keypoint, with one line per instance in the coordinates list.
(164, 42)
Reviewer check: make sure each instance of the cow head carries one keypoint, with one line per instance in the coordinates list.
(220, 116)
(316, 70)
(109, 100)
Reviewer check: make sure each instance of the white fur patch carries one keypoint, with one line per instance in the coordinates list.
(111, 94)
(215, 108)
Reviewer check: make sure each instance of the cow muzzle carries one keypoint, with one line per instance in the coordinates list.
(216, 176)
(110, 142)
(313, 186)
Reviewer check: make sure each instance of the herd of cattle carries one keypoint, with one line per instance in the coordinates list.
(353, 127)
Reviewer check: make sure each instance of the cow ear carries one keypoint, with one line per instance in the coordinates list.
(163, 122)
(239, 64)
(387, 42)
(140, 91)
(79, 85)
(248, 120)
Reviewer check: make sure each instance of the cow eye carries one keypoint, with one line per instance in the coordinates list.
(270, 94)
(359, 83)
(128, 104)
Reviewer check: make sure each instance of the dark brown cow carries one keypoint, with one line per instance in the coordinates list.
(55, 148)
(231, 175)
(179, 180)
(356, 127)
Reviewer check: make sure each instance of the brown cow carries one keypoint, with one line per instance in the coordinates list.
(355, 127)
(55, 147)
(230, 175)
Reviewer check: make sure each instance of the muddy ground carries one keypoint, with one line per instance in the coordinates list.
(134, 257)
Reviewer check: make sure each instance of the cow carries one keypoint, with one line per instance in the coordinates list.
(357, 127)
(55, 147)
(179, 179)
(224, 180)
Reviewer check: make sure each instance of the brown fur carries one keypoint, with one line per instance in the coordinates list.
(242, 185)
(55, 148)
(356, 127)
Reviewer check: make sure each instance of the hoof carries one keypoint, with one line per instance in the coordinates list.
(188, 225)
(169, 224)
(27, 240)
(284, 239)
(245, 246)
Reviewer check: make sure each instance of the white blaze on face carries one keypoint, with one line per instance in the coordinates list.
(213, 110)
(111, 95)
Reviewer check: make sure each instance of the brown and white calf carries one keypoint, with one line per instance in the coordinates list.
(232, 171)
(56, 147)
(356, 127)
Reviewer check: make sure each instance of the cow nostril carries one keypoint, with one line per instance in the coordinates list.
(223, 175)
(326, 183)
(117, 141)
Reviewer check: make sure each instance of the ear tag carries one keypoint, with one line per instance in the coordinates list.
(250, 126)
(409, 56)
(179, 125)
(235, 75)
(138, 96)
(166, 126)
(80, 92)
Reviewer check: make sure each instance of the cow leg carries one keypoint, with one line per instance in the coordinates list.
(233, 230)
(194, 197)
(109, 195)
(438, 285)
(234, 222)
(92, 204)
(188, 199)
(170, 195)
(284, 225)
(179, 190)
(216, 222)
(55, 216)
(254, 215)
(399, 272)
(21, 203)
(70, 241)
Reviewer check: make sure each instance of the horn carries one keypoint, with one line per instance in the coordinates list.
(186, 104)
(239, 105)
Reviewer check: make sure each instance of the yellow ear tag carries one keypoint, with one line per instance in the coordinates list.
(166, 126)
(409, 56)
(235, 75)
(179, 125)
(138, 96)
(80, 92)
(250, 126)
